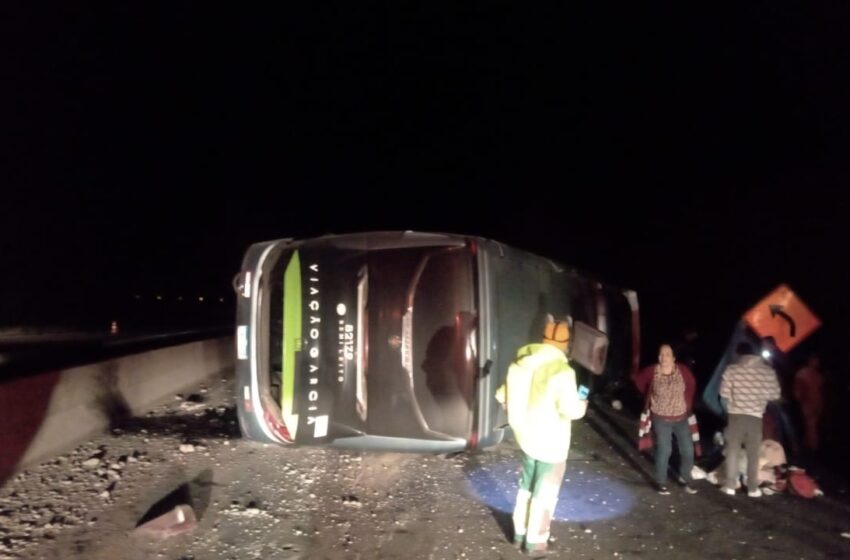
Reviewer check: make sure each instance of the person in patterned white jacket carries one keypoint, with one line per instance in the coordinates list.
(745, 389)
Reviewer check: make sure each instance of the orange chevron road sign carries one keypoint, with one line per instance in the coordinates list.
(784, 316)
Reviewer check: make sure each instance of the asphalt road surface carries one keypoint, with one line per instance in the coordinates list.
(258, 501)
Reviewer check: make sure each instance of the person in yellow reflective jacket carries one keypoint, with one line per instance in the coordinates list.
(542, 400)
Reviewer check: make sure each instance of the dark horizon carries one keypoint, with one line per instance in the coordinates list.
(697, 158)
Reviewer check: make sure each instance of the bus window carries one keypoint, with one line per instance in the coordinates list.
(444, 354)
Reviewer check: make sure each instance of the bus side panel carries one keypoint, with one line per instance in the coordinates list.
(516, 291)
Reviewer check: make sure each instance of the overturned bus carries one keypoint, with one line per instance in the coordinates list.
(398, 340)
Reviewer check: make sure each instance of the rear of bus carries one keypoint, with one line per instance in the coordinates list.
(364, 341)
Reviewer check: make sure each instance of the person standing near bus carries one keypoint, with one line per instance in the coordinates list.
(746, 388)
(542, 400)
(807, 391)
(668, 388)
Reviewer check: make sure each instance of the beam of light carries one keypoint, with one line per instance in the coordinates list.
(585, 495)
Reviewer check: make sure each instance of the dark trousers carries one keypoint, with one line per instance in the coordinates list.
(664, 430)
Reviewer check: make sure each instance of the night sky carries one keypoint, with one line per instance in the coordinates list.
(699, 157)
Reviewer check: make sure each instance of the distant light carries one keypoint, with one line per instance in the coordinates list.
(159, 298)
(200, 298)
(179, 298)
(137, 296)
(765, 354)
(221, 300)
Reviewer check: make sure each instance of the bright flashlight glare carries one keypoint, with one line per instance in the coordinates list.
(584, 496)
(765, 354)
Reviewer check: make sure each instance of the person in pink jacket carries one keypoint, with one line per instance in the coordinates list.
(669, 388)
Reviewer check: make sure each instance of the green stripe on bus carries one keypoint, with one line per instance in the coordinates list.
(291, 338)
